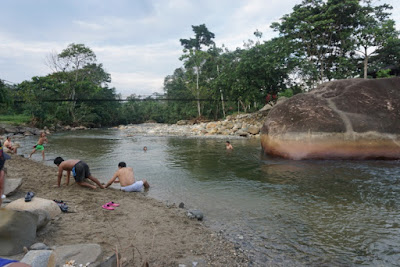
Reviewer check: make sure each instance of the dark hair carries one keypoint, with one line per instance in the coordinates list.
(58, 160)
(122, 164)
(228, 142)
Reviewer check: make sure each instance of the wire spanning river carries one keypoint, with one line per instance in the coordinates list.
(285, 213)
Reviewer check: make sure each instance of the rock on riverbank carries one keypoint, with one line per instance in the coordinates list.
(354, 118)
(242, 125)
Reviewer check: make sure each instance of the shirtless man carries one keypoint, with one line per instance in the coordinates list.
(80, 171)
(127, 179)
(39, 145)
(9, 145)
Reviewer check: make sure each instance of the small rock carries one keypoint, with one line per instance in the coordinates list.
(11, 185)
(195, 214)
(39, 246)
(181, 205)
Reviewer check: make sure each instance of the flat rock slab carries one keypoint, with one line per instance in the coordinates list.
(40, 258)
(80, 253)
(11, 185)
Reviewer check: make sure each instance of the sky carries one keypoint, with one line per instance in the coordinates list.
(137, 41)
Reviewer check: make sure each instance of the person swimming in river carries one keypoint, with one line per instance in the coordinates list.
(127, 179)
(228, 145)
(39, 145)
(80, 171)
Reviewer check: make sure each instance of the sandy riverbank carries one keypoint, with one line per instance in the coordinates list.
(142, 228)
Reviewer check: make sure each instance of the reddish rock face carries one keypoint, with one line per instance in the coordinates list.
(355, 119)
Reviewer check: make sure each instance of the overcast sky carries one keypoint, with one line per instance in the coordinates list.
(137, 41)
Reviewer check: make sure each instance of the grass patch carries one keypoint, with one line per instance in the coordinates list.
(15, 119)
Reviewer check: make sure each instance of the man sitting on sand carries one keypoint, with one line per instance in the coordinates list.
(80, 171)
(127, 179)
(9, 146)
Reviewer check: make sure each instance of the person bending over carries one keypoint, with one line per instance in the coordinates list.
(127, 179)
(80, 171)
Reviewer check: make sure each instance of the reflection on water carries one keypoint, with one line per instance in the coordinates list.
(288, 213)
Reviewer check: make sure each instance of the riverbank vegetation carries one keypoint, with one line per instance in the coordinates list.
(319, 41)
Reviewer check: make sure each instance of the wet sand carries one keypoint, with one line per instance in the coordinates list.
(141, 228)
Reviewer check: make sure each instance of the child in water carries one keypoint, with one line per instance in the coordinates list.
(228, 145)
(39, 146)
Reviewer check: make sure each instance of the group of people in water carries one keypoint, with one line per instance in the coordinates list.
(80, 170)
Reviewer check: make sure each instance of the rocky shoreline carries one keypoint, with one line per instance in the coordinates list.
(234, 126)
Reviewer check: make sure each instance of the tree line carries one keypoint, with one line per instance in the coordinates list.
(320, 40)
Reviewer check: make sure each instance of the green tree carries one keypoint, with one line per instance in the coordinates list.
(250, 74)
(4, 95)
(320, 32)
(194, 58)
(387, 57)
(175, 88)
(79, 81)
(375, 30)
(72, 66)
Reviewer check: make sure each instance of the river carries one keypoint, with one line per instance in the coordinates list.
(281, 212)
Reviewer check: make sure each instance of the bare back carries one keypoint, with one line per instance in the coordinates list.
(125, 176)
(67, 165)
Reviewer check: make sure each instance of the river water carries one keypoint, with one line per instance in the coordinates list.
(282, 212)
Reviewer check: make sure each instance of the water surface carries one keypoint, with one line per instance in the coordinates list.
(285, 213)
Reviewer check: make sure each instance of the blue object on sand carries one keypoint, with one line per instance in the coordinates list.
(4, 262)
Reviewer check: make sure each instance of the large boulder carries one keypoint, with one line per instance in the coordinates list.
(17, 230)
(354, 119)
(36, 203)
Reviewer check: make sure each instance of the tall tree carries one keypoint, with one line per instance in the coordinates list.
(320, 29)
(194, 58)
(73, 66)
(375, 30)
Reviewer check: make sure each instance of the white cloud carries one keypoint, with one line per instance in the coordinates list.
(139, 83)
(136, 41)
